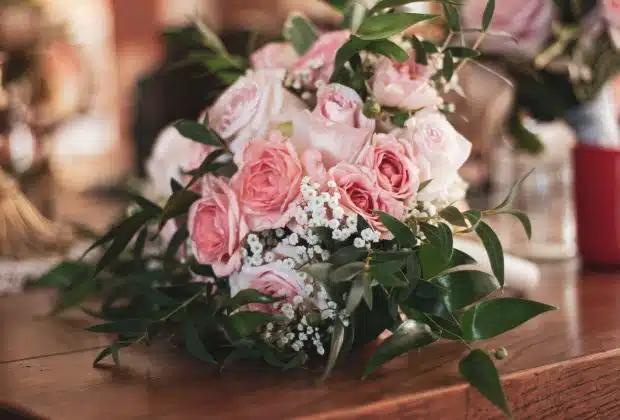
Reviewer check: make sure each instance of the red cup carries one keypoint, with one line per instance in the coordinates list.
(597, 198)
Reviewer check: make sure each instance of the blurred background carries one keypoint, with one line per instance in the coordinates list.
(88, 85)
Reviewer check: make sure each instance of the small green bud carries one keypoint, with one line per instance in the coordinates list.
(501, 353)
(371, 109)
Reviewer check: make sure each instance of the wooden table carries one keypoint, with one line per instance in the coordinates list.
(563, 365)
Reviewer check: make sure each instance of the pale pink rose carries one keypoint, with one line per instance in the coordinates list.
(439, 151)
(341, 104)
(268, 182)
(274, 279)
(360, 194)
(316, 66)
(251, 107)
(404, 85)
(314, 167)
(391, 160)
(275, 55)
(217, 227)
(528, 21)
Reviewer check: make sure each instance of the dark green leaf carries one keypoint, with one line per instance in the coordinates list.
(64, 274)
(487, 17)
(349, 50)
(194, 344)
(523, 138)
(448, 240)
(399, 118)
(248, 296)
(454, 216)
(175, 185)
(420, 52)
(138, 248)
(146, 204)
(347, 255)
(474, 217)
(335, 348)
(494, 250)
(300, 32)
(111, 350)
(387, 48)
(389, 4)
(124, 326)
(368, 295)
(432, 261)
(465, 287)
(347, 272)
(387, 25)
(451, 13)
(177, 240)
(319, 271)
(439, 238)
(202, 269)
(513, 192)
(245, 323)
(390, 279)
(463, 52)
(448, 65)
(408, 336)
(379, 268)
(402, 233)
(198, 132)
(478, 369)
(178, 204)
(523, 218)
(240, 353)
(491, 318)
(79, 292)
(208, 165)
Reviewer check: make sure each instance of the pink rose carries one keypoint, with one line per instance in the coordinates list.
(391, 160)
(341, 104)
(268, 182)
(316, 66)
(275, 55)
(404, 85)
(217, 227)
(250, 107)
(439, 150)
(274, 279)
(360, 194)
(529, 21)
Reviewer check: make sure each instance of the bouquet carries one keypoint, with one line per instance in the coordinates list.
(560, 55)
(310, 211)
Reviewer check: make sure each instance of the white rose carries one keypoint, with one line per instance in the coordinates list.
(251, 106)
(439, 150)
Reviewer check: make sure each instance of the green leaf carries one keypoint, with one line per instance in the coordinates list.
(494, 250)
(356, 293)
(194, 344)
(300, 32)
(177, 240)
(478, 369)
(76, 295)
(245, 323)
(463, 52)
(123, 326)
(402, 233)
(335, 348)
(64, 274)
(420, 52)
(390, 279)
(354, 15)
(208, 165)
(465, 286)
(378, 268)
(111, 350)
(240, 353)
(523, 138)
(448, 240)
(146, 204)
(399, 118)
(440, 238)
(487, 17)
(368, 295)
(424, 184)
(453, 216)
(387, 48)
(347, 272)
(390, 4)
(178, 204)
(125, 233)
(349, 50)
(474, 217)
(248, 296)
(432, 261)
(387, 25)
(452, 17)
(513, 192)
(491, 318)
(523, 218)
(138, 248)
(209, 38)
(319, 271)
(408, 336)
(347, 255)
(198, 132)
(448, 65)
